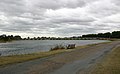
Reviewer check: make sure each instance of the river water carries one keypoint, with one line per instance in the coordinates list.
(32, 46)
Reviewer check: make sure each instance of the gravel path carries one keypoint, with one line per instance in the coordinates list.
(75, 62)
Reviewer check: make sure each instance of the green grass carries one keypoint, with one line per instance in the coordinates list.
(110, 64)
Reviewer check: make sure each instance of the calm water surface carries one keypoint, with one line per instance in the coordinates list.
(31, 46)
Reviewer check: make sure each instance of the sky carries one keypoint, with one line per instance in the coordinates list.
(58, 18)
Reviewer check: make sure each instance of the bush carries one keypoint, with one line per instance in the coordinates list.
(58, 47)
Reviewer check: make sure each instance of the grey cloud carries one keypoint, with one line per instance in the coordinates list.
(74, 31)
(103, 8)
(15, 2)
(56, 4)
(12, 7)
(117, 2)
(72, 20)
(66, 18)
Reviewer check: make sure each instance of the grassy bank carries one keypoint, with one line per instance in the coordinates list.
(110, 64)
(6, 60)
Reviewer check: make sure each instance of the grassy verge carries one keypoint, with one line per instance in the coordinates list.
(110, 64)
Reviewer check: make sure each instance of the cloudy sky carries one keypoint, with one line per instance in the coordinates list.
(58, 17)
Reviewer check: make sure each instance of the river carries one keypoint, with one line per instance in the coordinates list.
(32, 46)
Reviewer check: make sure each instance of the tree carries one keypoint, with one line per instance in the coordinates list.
(116, 34)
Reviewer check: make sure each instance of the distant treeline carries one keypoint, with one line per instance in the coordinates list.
(107, 35)
(115, 34)
(5, 38)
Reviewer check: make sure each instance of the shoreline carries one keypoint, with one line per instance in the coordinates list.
(72, 62)
(13, 59)
(29, 47)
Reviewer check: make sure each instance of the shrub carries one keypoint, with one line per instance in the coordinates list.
(58, 47)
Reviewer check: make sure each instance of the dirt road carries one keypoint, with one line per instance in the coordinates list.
(75, 62)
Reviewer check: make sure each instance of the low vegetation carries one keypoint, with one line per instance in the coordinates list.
(110, 64)
(58, 47)
(61, 47)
